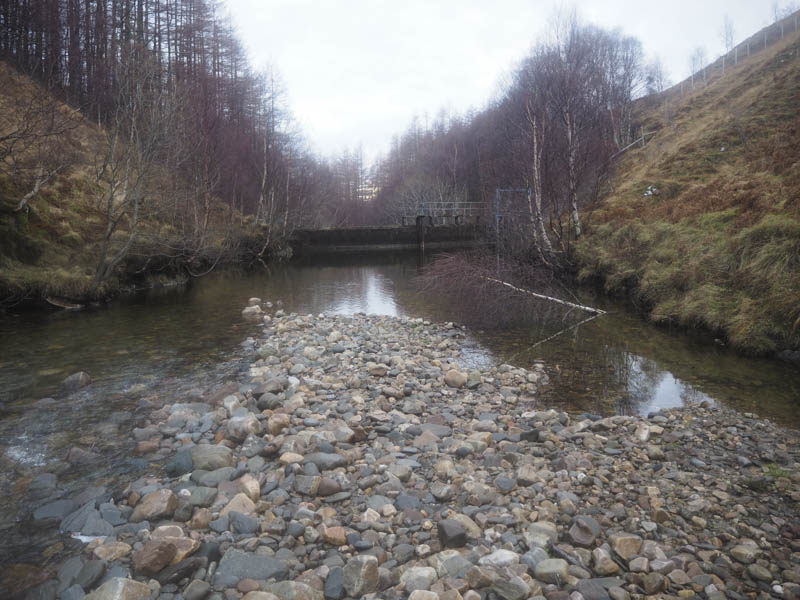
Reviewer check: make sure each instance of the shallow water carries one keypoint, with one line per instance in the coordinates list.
(173, 343)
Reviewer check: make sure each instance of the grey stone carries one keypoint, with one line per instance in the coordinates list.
(334, 584)
(180, 463)
(69, 570)
(91, 572)
(241, 523)
(533, 557)
(209, 458)
(452, 534)
(308, 485)
(213, 478)
(55, 510)
(221, 524)
(418, 578)
(75, 521)
(202, 496)
(406, 501)
(74, 592)
(552, 570)
(96, 525)
(514, 588)
(196, 590)
(584, 531)
(236, 565)
(360, 575)
(326, 461)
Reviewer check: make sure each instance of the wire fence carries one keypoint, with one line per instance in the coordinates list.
(763, 39)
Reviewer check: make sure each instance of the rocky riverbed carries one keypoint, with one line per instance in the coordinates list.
(361, 458)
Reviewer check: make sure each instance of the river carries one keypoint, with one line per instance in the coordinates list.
(177, 342)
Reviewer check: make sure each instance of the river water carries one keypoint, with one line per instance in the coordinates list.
(173, 343)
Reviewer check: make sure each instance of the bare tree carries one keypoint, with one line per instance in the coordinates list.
(135, 139)
(656, 79)
(32, 142)
(697, 62)
(726, 33)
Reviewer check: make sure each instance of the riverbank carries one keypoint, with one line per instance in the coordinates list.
(360, 457)
(701, 227)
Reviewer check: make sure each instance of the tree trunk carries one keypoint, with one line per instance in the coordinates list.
(572, 172)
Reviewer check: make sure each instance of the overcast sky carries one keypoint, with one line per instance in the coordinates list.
(357, 71)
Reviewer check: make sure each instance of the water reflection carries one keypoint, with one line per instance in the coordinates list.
(614, 364)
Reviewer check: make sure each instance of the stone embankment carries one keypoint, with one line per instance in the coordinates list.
(361, 460)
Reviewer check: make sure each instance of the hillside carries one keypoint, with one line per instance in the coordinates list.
(702, 225)
(51, 248)
(43, 247)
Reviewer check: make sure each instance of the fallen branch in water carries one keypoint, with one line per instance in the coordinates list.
(590, 309)
(565, 330)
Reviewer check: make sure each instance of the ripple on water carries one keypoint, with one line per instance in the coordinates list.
(26, 451)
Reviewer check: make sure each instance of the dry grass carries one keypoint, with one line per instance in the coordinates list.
(51, 249)
(718, 246)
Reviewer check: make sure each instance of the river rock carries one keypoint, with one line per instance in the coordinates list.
(418, 578)
(514, 588)
(209, 458)
(240, 427)
(499, 558)
(57, 509)
(153, 556)
(118, 588)
(111, 551)
(552, 570)
(455, 378)
(745, 553)
(239, 503)
(326, 461)
(277, 423)
(196, 590)
(334, 584)
(360, 576)
(584, 531)
(382, 479)
(452, 534)
(625, 545)
(294, 590)
(156, 505)
(236, 565)
(77, 381)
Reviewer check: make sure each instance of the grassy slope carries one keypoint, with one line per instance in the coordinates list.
(718, 247)
(45, 250)
(52, 249)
